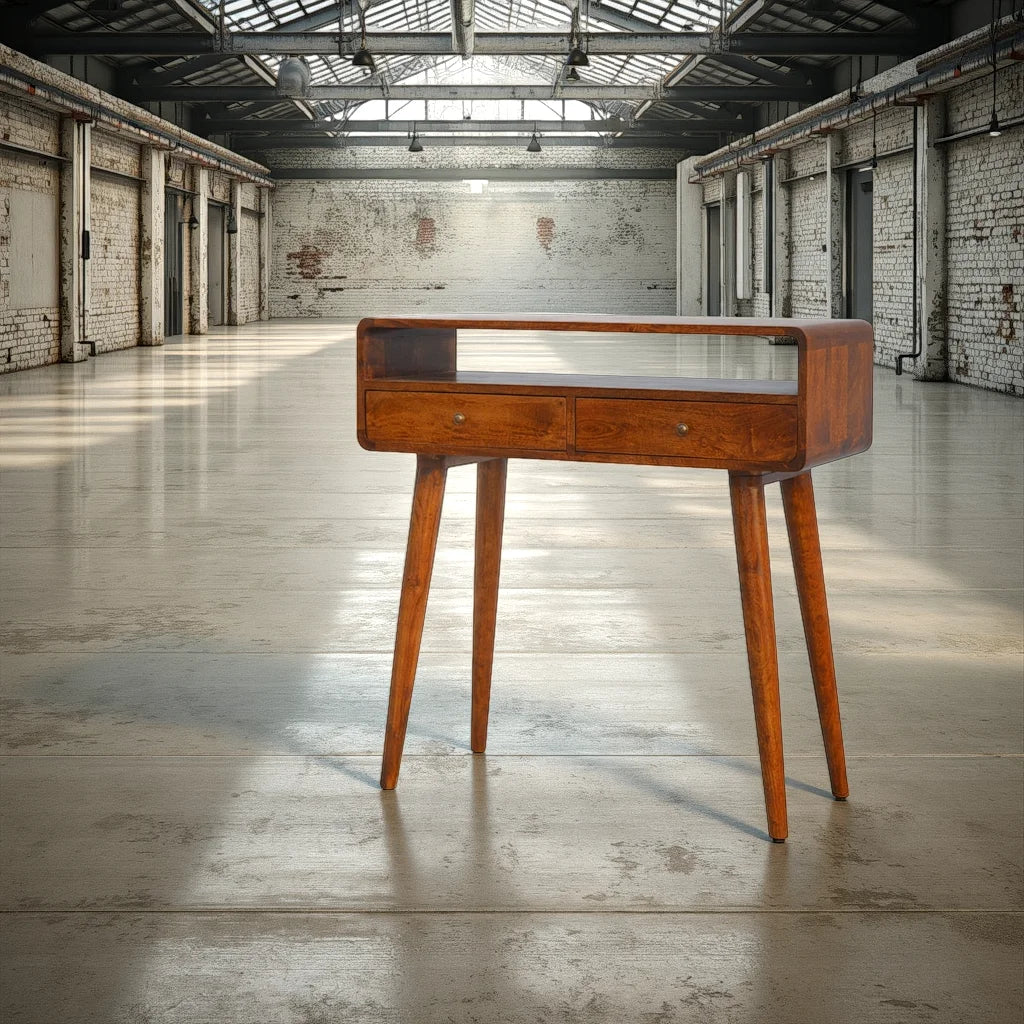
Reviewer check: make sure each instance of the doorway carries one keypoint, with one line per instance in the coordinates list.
(713, 261)
(859, 245)
(215, 274)
(174, 242)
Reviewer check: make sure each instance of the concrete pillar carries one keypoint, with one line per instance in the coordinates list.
(728, 243)
(834, 220)
(234, 263)
(782, 287)
(74, 209)
(931, 235)
(690, 264)
(151, 247)
(265, 243)
(199, 236)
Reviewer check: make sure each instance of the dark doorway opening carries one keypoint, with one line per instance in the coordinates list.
(713, 274)
(859, 245)
(174, 260)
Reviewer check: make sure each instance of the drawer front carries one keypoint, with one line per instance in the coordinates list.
(690, 430)
(455, 422)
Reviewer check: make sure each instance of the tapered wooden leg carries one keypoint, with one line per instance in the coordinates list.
(427, 497)
(802, 524)
(490, 517)
(751, 530)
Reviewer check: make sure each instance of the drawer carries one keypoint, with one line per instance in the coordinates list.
(457, 422)
(742, 431)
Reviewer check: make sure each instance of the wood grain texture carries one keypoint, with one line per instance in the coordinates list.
(428, 495)
(750, 525)
(802, 525)
(490, 518)
(833, 390)
(459, 421)
(719, 430)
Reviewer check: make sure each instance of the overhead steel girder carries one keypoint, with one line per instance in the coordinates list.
(583, 91)
(769, 44)
(651, 126)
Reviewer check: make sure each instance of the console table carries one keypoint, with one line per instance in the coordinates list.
(412, 397)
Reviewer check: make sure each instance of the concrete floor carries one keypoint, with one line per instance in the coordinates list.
(200, 577)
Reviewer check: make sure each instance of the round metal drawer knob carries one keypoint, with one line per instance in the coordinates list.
(682, 429)
(459, 418)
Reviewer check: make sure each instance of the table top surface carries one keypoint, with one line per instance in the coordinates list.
(773, 326)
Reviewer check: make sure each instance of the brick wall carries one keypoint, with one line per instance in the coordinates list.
(114, 262)
(249, 256)
(985, 238)
(29, 335)
(984, 231)
(348, 248)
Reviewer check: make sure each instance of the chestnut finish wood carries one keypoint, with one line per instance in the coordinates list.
(427, 497)
(802, 526)
(412, 397)
(693, 430)
(490, 519)
(415, 420)
(750, 526)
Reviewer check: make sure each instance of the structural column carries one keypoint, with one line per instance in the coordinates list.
(199, 238)
(931, 233)
(728, 243)
(75, 177)
(265, 241)
(782, 287)
(689, 233)
(151, 247)
(834, 210)
(234, 263)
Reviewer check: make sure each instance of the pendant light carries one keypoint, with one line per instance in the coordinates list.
(534, 144)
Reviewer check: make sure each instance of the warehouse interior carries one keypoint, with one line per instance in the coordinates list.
(200, 566)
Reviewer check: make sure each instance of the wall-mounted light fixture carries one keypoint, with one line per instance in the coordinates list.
(231, 227)
(193, 220)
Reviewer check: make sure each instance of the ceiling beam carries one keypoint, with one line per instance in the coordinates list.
(651, 126)
(582, 91)
(788, 44)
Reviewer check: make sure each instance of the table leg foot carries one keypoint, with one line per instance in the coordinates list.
(424, 522)
(802, 524)
(490, 517)
(750, 526)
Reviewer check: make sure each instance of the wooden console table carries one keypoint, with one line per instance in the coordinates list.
(413, 398)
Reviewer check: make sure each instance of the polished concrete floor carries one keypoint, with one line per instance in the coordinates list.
(200, 576)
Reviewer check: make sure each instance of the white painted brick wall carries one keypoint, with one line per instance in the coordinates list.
(985, 238)
(984, 229)
(28, 337)
(114, 264)
(249, 256)
(349, 248)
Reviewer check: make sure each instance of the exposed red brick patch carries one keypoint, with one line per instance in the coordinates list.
(426, 234)
(545, 232)
(309, 261)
